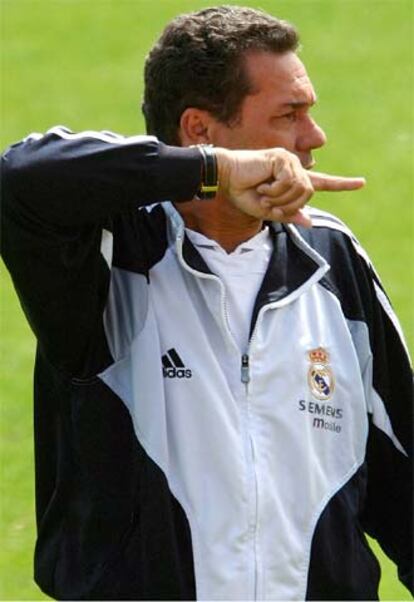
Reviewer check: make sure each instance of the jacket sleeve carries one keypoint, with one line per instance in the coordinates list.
(388, 508)
(59, 191)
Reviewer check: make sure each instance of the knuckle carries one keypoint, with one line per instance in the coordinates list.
(286, 157)
(308, 190)
(301, 187)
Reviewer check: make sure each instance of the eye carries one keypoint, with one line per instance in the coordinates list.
(290, 116)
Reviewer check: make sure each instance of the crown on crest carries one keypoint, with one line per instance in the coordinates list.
(318, 356)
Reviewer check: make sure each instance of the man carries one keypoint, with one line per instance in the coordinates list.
(221, 401)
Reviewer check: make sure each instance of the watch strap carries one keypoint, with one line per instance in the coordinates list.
(209, 179)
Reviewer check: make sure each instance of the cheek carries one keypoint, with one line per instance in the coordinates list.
(265, 137)
(270, 137)
(224, 136)
(228, 139)
(255, 135)
(268, 133)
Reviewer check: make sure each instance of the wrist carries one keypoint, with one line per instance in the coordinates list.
(224, 160)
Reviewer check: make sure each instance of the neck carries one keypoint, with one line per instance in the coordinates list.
(219, 220)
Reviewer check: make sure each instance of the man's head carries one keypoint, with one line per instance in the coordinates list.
(230, 76)
(199, 62)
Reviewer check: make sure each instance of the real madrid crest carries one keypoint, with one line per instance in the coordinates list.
(320, 376)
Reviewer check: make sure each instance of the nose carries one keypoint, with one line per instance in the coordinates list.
(311, 136)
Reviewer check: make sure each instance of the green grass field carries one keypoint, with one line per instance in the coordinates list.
(79, 63)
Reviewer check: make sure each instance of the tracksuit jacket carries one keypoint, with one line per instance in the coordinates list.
(158, 476)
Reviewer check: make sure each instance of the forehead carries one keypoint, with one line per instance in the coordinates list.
(283, 76)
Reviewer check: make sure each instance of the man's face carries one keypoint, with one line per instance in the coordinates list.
(277, 113)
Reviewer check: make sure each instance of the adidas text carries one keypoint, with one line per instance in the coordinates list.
(176, 372)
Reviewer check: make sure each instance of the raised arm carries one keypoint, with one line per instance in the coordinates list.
(60, 192)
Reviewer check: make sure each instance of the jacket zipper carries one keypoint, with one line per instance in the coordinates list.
(245, 372)
(245, 378)
(253, 516)
(245, 358)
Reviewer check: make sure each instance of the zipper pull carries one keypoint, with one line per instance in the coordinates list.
(245, 376)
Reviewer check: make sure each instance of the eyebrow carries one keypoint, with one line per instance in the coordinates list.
(299, 105)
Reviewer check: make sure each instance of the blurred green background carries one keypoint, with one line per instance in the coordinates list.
(79, 63)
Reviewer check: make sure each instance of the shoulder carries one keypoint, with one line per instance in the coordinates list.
(329, 223)
(351, 277)
(334, 240)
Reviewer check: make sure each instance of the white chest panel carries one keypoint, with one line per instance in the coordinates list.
(253, 467)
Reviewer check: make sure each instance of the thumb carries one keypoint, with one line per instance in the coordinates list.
(322, 181)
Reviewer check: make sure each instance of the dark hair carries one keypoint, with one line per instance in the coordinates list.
(199, 62)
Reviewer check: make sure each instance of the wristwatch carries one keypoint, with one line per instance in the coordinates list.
(209, 175)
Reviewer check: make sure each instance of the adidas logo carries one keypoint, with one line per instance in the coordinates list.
(173, 366)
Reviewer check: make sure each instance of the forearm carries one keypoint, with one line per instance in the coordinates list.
(71, 179)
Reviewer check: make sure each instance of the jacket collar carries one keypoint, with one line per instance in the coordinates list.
(293, 267)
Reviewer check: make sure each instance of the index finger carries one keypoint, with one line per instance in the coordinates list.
(323, 181)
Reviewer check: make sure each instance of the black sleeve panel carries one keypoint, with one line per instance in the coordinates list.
(58, 192)
(342, 565)
(388, 509)
(69, 179)
(388, 512)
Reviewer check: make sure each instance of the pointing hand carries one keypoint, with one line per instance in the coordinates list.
(271, 184)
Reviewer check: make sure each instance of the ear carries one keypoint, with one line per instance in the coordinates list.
(195, 127)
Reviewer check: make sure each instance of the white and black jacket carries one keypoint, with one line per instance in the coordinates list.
(157, 476)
